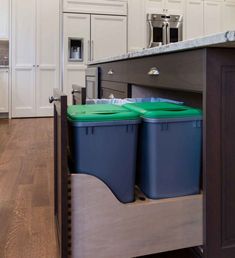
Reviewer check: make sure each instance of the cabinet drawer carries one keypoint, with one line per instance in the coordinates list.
(113, 90)
(175, 71)
(109, 94)
(122, 87)
(115, 71)
(98, 6)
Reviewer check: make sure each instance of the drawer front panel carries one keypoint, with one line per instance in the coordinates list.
(116, 71)
(122, 87)
(109, 94)
(113, 90)
(174, 71)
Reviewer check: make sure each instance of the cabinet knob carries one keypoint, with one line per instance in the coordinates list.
(111, 96)
(153, 72)
(75, 91)
(52, 99)
(110, 72)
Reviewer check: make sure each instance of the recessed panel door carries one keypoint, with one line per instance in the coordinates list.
(108, 36)
(23, 58)
(47, 61)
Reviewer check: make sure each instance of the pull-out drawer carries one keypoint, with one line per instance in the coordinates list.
(113, 90)
(174, 71)
(110, 94)
(103, 227)
(97, 6)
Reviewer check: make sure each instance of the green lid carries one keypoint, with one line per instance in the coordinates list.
(157, 110)
(144, 107)
(191, 112)
(99, 113)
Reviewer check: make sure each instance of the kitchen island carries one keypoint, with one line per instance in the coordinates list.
(201, 73)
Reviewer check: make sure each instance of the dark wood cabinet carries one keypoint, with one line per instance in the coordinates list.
(205, 78)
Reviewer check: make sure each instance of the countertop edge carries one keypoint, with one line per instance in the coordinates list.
(215, 40)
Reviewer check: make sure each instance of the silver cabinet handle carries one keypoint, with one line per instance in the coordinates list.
(110, 72)
(153, 71)
(89, 50)
(37, 65)
(92, 50)
(34, 65)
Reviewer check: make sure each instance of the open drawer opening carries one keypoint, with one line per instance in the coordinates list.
(103, 226)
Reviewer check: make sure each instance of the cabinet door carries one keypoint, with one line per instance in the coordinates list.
(228, 17)
(113, 7)
(47, 75)
(194, 19)
(76, 26)
(174, 6)
(73, 74)
(23, 58)
(4, 18)
(212, 17)
(108, 36)
(154, 6)
(4, 90)
(137, 37)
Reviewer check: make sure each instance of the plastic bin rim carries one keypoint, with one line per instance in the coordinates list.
(105, 123)
(172, 120)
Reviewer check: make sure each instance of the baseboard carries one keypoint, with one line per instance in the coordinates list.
(4, 115)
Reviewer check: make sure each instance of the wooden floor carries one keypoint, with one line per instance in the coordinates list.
(26, 191)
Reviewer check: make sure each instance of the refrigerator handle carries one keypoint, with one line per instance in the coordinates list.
(150, 34)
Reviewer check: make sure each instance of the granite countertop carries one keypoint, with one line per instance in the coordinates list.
(225, 39)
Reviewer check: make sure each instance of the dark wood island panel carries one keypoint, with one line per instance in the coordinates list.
(183, 71)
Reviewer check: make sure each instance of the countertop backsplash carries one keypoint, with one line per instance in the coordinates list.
(4, 53)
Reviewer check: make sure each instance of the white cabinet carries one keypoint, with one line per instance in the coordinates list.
(23, 58)
(212, 17)
(47, 54)
(228, 16)
(174, 6)
(113, 7)
(4, 85)
(4, 18)
(155, 6)
(194, 25)
(137, 38)
(100, 36)
(165, 6)
(35, 56)
(76, 26)
(108, 36)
